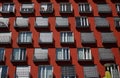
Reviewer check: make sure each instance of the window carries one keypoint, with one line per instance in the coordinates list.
(84, 54)
(19, 54)
(117, 22)
(105, 54)
(41, 22)
(85, 8)
(22, 72)
(27, 8)
(62, 54)
(118, 7)
(90, 72)
(21, 22)
(3, 71)
(8, 8)
(2, 54)
(113, 69)
(66, 8)
(66, 37)
(40, 54)
(82, 22)
(45, 71)
(101, 22)
(5, 38)
(46, 7)
(46, 37)
(68, 72)
(104, 8)
(25, 37)
(4, 22)
(108, 37)
(88, 38)
(62, 22)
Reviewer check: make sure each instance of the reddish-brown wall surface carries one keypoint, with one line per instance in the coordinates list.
(35, 34)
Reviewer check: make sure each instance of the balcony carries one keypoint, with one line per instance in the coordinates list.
(84, 54)
(18, 55)
(104, 8)
(41, 22)
(113, 69)
(62, 22)
(40, 55)
(5, 38)
(68, 72)
(21, 22)
(46, 38)
(82, 22)
(108, 38)
(46, 7)
(25, 37)
(4, 22)
(88, 38)
(85, 8)
(62, 54)
(8, 8)
(105, 54)
(101, 23)
(22, 72)
(45, 71)
(66, 37)
(90, 72)
(27, 8)
(66, 7)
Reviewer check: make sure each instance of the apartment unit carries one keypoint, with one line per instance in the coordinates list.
(59, 39)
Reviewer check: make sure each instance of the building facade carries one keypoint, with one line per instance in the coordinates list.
(59, 39)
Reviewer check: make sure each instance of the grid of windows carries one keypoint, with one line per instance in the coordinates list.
(53, 34)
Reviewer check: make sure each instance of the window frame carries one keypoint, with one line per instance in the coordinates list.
(24, 42)
(67, 4)
(22, 51)
(46, 3)
(43, 71)
(8, 11)
(65, 56)
(70, 36)
(24, 4)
